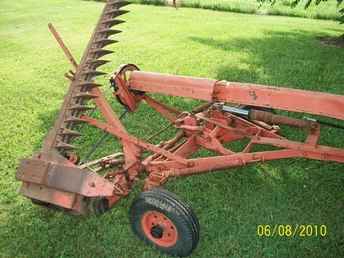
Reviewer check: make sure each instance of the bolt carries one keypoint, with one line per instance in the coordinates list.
(191, 164)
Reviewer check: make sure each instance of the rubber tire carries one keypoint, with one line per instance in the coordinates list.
(176, 210)
(98, 205)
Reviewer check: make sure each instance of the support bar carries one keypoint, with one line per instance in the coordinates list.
(294, 100)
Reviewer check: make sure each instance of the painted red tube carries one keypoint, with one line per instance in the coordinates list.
(316, 103)
(189, 87)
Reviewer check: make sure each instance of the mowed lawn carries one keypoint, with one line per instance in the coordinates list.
(230, 204)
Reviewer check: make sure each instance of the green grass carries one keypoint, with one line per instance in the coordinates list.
(230, 204)
(326, 10)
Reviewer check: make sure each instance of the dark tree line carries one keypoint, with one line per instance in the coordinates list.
(308, 3)
(317, 2)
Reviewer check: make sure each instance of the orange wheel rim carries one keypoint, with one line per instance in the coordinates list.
(159, 229)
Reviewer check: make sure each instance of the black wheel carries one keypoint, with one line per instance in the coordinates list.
(98, 206)
(162, 220)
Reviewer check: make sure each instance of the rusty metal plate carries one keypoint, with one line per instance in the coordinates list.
(66, 178)
(32, 170)
(76, 180)
(49, 195)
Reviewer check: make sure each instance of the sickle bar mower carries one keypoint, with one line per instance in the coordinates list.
(54, 176)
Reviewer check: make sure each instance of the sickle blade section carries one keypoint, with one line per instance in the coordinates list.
(75, 102)
(81, 108)
(111, 22)
(69, 132)
(64, 146)
(92, 73)
(109, 32)
(105, 42)
(96, 63)
(99, 52)
(85, 96)
(86, 86)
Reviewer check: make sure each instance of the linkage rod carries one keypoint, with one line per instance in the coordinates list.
(100, 141)
(62, 45)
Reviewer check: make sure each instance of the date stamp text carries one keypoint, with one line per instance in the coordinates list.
(289, 230)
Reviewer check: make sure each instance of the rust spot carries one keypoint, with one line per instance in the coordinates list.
(253, 94)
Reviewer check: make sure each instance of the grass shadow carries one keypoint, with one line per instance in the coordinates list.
(285, 191)
(294, 59)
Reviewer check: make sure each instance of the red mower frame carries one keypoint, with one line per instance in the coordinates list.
(209, 126)
(232, 112)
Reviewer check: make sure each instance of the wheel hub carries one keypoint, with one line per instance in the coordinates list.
(157, 231)
(159, 228)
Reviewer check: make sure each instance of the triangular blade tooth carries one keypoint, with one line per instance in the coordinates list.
(85, 95)
(105, 42)
(99, 52)
(112, 22)
(96, 63)
(118, 4)
(69, 132)
(88, 84)
(73, 119)
(63, 145)
(116, 12)
(93, 73)
(109, 32)
(80, 108)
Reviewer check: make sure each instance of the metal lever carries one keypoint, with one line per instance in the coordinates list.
(100, 141)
